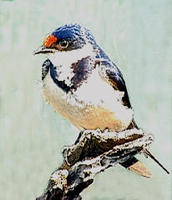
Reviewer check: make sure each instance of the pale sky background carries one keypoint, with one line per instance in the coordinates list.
(137, 36)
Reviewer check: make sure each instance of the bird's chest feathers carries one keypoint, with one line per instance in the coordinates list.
(95, 104)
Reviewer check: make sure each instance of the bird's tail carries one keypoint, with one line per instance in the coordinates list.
(148, 153)
(139, 168)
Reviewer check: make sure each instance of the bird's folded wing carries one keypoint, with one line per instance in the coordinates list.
(110, 73)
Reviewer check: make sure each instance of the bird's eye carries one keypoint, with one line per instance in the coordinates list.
(64, 43)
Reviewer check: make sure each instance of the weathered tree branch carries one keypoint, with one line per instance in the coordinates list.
(92, 153)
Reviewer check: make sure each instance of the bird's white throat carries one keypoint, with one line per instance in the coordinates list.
(66, 58)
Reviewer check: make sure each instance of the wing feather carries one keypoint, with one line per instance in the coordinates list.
(112, 74)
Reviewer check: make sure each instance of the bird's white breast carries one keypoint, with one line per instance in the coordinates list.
(95, 104)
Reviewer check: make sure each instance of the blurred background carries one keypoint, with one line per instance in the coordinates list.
(137, 36)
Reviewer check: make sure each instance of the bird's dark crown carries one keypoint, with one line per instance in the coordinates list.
(68, 37)
(72, 31)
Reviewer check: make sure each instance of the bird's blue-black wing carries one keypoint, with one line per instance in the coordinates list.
(115, 78)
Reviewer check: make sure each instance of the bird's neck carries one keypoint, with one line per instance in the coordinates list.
(71, 69)
(67, 58)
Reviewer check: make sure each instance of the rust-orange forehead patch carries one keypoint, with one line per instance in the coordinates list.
(49, 40)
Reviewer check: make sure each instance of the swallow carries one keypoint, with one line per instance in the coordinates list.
(85, 86)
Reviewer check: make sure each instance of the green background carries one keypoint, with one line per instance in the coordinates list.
(137, 36)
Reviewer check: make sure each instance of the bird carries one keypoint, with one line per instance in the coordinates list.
(85, 86)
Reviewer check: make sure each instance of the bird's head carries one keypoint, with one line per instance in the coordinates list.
(66, 38)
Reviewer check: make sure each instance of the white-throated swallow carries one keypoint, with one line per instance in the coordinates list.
(82, 84)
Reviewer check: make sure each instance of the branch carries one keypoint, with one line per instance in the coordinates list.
(92, 153)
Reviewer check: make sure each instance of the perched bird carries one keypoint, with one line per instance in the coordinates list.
(82, 83)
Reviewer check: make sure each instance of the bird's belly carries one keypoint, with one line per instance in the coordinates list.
(89, 107)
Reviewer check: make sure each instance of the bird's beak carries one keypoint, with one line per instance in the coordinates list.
(43, 50)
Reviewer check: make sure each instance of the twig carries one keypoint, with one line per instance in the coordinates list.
(92, 153)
